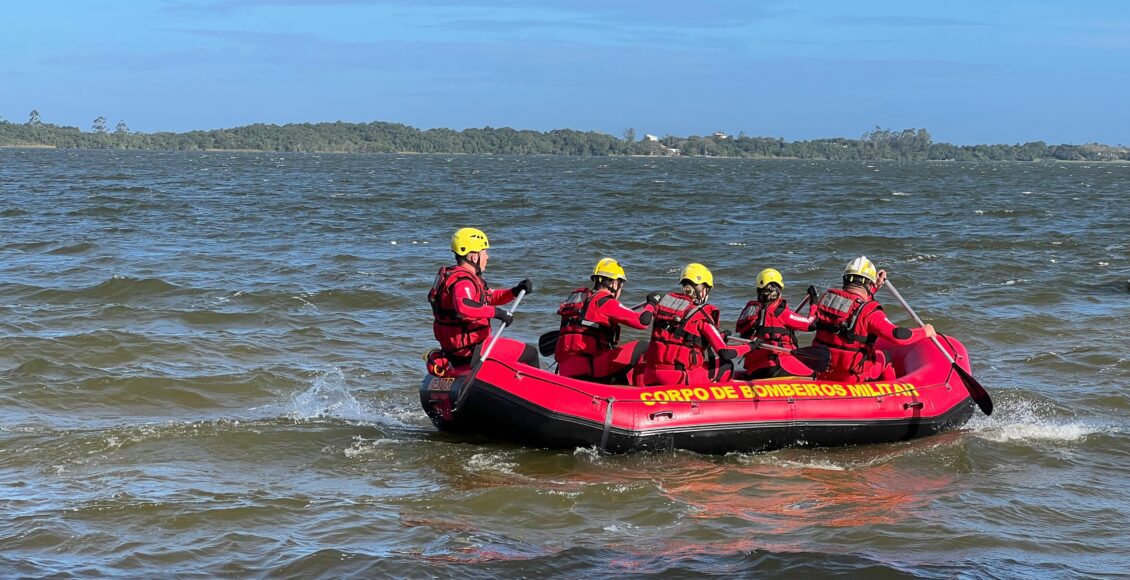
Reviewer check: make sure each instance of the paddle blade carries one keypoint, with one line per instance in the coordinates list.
(547, 343)
(816, 357)
(979, 394)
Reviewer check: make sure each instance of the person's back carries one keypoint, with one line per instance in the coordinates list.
(849, 321)
(685, 329)
(769, 320)
(587, 344)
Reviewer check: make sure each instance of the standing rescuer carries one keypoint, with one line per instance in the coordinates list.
(587, 346)
(685, 326)
(770, 320)
(849, 320)
(463, 304)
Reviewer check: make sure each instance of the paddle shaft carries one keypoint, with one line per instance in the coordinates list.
(470, 381)
(771, 347)
(978, 392)
(921, 324)
(493, 339)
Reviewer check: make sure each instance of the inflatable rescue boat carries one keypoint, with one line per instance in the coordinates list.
(507, 400)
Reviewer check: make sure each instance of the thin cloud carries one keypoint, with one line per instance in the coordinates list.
(902, 21)
(500, 25)
(677, 13)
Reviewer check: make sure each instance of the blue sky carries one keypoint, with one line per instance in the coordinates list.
(986, 71)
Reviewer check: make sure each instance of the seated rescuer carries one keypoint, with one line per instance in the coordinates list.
(463, 304)
(848, 322)
(685, 326)
(590, 328)
(770, 321)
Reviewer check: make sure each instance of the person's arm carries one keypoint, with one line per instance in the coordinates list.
(794, 321)
(503, 296)
(506, 296)
(620, 314)
(879, 325)
(466, 305)
(714, 338)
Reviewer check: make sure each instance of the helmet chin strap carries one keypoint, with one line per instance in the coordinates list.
(693, 291)
(475, 263)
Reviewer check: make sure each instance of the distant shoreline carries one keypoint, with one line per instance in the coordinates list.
(393, 138)
(449, 154)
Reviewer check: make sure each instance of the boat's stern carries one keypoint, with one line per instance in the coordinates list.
(438, 396)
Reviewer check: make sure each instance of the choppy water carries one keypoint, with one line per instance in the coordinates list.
(209, 367)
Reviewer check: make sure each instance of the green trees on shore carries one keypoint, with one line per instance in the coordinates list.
(379, 137)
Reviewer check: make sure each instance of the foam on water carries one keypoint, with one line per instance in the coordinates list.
(496, 462)
(362, 447)
(815, 464)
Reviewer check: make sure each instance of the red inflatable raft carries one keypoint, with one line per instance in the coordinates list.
(516, 402)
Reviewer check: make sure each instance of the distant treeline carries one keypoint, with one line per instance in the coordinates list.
(377, 137)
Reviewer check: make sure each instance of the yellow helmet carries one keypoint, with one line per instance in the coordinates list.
(697, 274)
(862, 267)
(770, 276)
(610, 269)
(468, 240)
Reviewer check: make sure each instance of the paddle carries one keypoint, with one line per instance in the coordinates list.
(979, 394)
(547, 343)
(816, 356)
(807, 298)
(484, 354)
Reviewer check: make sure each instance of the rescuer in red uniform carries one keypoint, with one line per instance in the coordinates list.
(770, 320)
(849, 320)
(463, 304)
(685, 329)
(587, 346)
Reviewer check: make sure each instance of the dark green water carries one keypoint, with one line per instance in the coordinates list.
(209, 363)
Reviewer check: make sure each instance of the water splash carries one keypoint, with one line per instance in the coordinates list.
(328, 397)
(1027, 420)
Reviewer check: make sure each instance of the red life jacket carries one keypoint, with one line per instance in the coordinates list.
(671, 344)
(764, 321)
(454, 332)
(841, 319)
(584, 329)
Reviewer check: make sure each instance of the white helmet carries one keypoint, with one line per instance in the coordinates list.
(863, 268)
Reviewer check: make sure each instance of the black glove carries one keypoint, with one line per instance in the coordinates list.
(728, 354)
(524, 285)
(812, 294)
(506, 318)
(726, 334)
(654, 297)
